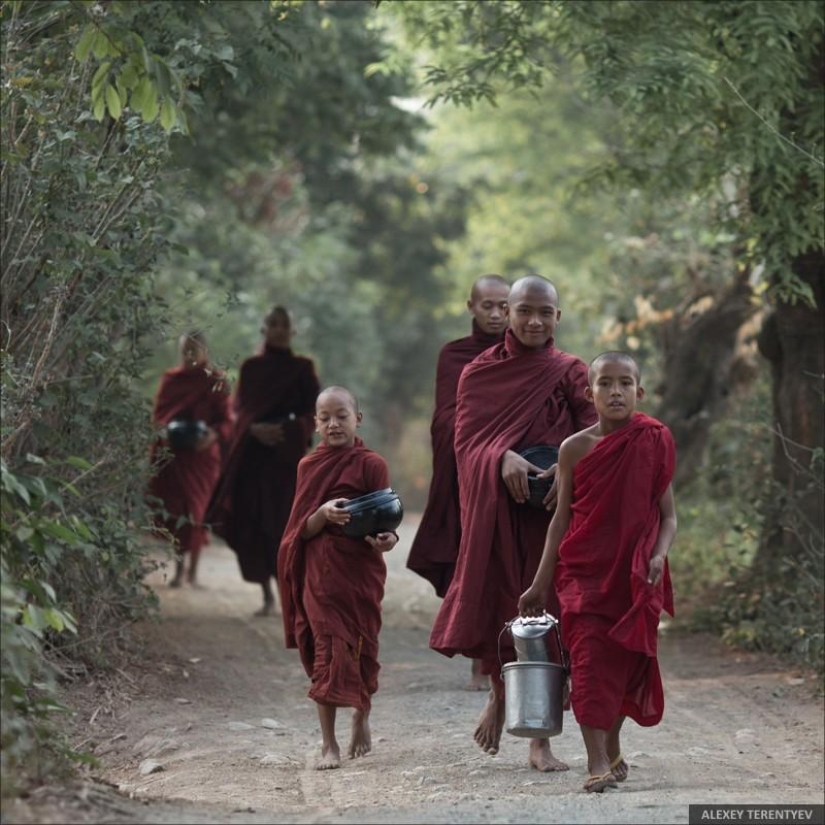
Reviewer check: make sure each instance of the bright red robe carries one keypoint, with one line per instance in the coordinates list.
(331, 584)
(609, 612)
(435, 548)
(509, 398)
(251, 504)
(185, 480)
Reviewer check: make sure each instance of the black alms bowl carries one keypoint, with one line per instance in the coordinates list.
(378, 512)
(542, 456)
(183, 434)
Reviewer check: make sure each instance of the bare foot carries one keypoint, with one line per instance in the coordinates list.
(195, 584)
(267, 610)
(478, 681)
(619, 768)
(176, 582)
(597, 784)
(361, 742)
(490, 724)
(330, 758)
(542, 759)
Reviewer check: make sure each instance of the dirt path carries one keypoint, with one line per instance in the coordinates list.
(222, 707)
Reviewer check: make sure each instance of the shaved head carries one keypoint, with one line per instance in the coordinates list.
(341, 393)
(534, 285)
(279, 312)
(614, 357)
(484, 283)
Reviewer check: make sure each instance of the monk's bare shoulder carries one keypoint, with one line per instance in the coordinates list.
(575, 447)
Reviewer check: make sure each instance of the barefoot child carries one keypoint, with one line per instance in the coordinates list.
(607, 548)
(331, 584)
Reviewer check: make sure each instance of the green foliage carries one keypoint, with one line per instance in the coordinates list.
(703, 91)
(36, 537)
(774, 606)
(82, 222)
(300, 192)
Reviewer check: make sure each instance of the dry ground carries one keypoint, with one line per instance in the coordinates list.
(221, 706)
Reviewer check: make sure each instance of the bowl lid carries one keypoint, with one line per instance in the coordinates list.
(531, 627)
(371, 500)
(542, 455)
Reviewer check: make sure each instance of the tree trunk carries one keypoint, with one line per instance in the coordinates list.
(697, 373)
(793, 341)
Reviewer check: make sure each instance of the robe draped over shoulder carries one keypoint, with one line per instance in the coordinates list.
(184, 481)
(509, 398)
(435, 546)
(332, 585)
(609, 612)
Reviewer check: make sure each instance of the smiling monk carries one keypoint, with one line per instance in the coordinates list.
(517, 394)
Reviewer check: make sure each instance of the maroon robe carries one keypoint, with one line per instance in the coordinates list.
(435, 547)
(252, 500)
(609, 612)
(509, 398)
(185, 480)
(331, 584)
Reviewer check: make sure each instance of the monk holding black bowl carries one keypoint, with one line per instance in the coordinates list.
(517, 394)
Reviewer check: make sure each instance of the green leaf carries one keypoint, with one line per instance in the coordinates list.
(149, 110)
(99, 109)
(113, 101)
(84, 45)
(100, 46)
(59, 531)
(77, 461)
(33, 618)
(167, 114)
(140, 93)
(54, 619)
(100, 75)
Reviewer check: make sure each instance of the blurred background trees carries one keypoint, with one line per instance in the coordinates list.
(172, 165)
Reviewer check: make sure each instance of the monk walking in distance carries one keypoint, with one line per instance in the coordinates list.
(274, 406)
(194, 391)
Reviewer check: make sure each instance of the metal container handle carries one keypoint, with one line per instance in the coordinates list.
(536, 620)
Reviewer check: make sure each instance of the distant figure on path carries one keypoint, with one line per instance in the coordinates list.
(332, 584)
(191, 392)
(435, 548)
(607, 548)
(274, 404)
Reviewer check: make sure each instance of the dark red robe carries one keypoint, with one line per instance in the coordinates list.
(332, 585)
(609, 612)
(509, 398)
(252, 500)
(435, 547)
(185, 480)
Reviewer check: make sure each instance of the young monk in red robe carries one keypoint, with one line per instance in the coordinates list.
(184, 481)
(274, 405)
(607, 547)
(332, 584)
(435, 547)
(520, 393)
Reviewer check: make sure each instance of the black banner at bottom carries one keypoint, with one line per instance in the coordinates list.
(756, 814)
